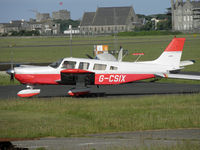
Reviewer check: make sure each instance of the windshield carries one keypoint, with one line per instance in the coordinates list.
(56, 64)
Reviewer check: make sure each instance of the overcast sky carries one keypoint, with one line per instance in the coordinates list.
(21, 9)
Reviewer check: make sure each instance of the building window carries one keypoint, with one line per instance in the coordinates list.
(132, 19)
(185, 26)
(99, 67)
(184, 18)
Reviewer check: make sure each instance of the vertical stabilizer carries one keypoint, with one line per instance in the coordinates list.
(172, 54)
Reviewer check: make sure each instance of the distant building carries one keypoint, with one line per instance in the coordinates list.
(109, 20)
(46, 27)
(42, 17)
(61, 14)
(15, 25)
(185, 15)
(73, 31)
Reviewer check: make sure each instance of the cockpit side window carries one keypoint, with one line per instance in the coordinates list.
(69, 65)
(99, 67)
(83, 65)
(56, 64)
(113, 68)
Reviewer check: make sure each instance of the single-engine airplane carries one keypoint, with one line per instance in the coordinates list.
(82, 72)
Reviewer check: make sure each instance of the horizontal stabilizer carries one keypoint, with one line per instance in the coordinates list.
(183, 76)
(186, 63)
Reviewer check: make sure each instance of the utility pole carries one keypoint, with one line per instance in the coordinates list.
(70, 28)
(115, 30)
(11, 61)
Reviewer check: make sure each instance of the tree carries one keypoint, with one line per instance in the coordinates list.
(64, 24)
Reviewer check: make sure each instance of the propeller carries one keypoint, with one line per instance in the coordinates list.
(11, 72)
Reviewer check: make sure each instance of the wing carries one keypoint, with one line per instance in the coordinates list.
(183, 76)
(186, 63)
(77, 77)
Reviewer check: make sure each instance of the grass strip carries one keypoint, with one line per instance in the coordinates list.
(64, 117)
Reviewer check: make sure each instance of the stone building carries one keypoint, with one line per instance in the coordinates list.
(44, 28)
(42, 16)
(185, 15)
(14, 25)
(109, 20)
(61, 14)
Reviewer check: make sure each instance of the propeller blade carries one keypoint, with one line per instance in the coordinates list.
(11, 73)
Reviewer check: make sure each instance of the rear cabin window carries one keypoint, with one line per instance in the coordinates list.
(99, 67)
(83, 65)
(113, 68)
(69, 64)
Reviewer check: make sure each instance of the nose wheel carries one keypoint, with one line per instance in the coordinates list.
(29, 92)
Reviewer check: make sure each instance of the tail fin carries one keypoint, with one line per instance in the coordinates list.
(172, 54)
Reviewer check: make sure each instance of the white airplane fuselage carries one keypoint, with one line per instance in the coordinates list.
(111, 73)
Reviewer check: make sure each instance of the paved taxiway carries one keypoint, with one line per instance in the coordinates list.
(131, 89)
(126, 140)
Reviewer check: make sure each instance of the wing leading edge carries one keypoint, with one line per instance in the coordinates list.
(183, 76)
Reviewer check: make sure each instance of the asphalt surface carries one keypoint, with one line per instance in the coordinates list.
(131, 89)
(125, 140)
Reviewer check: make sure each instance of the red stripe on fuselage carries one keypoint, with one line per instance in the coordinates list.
(120, 78)
(99, 78)
(37, 78)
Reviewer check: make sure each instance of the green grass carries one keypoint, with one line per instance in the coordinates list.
(5, 80)
(148, 33)
(64, 117)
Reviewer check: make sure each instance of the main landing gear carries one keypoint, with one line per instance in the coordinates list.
(79, 91)
(29, 92)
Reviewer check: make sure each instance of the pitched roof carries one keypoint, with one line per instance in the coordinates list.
(107, 16)
(111, 15)
(87, 18)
